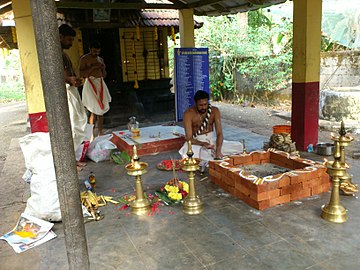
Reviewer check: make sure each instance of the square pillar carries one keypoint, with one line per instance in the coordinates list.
(306, 72)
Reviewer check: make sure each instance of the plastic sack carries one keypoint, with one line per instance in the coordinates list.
(44, 200)
(100, 148)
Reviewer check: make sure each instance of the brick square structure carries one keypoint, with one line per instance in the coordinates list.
(305, 178)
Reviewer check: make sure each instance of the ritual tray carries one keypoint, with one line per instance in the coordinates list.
(166, 165)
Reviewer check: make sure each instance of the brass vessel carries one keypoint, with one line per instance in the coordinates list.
(334, 212)
(192, 205)
(141, 205)
(346, 185)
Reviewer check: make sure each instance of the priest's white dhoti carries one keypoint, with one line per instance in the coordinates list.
(78, 116)
(228, 147)
(96, 96)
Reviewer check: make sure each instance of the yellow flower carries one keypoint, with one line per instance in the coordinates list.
(185, 187)
(170, 189)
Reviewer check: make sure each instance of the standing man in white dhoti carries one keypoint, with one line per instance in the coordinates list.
(78, 116)
(199, 122)
(95, 95)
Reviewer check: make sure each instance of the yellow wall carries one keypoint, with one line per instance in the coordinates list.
(76, 51)
(307, 40)
(28, 56)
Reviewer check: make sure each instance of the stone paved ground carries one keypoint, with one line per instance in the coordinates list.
(227, 235)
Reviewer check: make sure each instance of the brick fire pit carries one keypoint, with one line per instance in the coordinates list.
(304, 178)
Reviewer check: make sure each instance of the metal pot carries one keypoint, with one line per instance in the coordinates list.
(325, 149)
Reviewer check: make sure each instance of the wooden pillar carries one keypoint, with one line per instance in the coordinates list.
(186, 28)
(30, 65)
(306, 72)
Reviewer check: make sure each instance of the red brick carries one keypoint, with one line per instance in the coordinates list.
(298, 165)
(264, 161)
(225, 187)
(231, 190)
(263, 204)
(222, 170)
(290, 189)
(229, 181)
(284, 181)
(277, 162)
(316, 190)
(326, 187)
(298, 194)
(265, 156)
(214, 173)
(311, 183)
(248, 200)
(230, 161)
(239, 186)
(211, 164)
(218, 181)
(321, 171)
(239, 160)
(256, 156)
(280, 200)
(325, 179)
(301, 177)
(266, 186)
(249, 163)
(280, 157)
(271, 194)
(294, 178)
(247, 183)
(233, 174)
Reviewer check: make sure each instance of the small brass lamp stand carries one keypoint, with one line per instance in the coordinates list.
(346, 185)
(141, 205)
(191, 205)
(334, 212)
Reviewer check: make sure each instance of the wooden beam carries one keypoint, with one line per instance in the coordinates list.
(180, 3)
(5, 9)
(4, 2)
(93, 5)
(202, 3)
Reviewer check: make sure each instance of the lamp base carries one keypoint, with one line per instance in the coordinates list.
(140, 207)
(334, 213)
(192, 206)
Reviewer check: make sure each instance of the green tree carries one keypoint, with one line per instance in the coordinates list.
(262, 56)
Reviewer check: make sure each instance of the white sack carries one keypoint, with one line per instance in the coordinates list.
(44, 200)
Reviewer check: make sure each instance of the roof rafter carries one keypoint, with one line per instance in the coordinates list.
(203, 3)
(94, 5)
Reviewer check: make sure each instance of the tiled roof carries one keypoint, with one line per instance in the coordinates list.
(152, 17)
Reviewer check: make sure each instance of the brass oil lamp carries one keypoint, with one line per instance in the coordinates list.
(334, 212)
(141, 205)
(191, 205)
(346, 185)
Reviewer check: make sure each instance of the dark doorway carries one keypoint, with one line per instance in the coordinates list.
(110, 51)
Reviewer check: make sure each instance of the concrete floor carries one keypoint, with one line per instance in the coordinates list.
(227, 235)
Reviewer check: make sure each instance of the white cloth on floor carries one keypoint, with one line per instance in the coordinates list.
(78, 116)
(228, 147)
(96, 96)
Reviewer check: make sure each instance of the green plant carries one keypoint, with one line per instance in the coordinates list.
(260, 54)
(12, 85)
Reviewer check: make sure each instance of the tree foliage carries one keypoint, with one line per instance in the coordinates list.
(258, 55)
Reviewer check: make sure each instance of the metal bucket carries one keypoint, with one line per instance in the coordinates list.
(325, 149)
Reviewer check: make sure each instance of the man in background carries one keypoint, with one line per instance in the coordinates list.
(95, 95)
(78, 116)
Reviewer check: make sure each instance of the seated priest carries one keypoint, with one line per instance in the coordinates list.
(199, 122)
